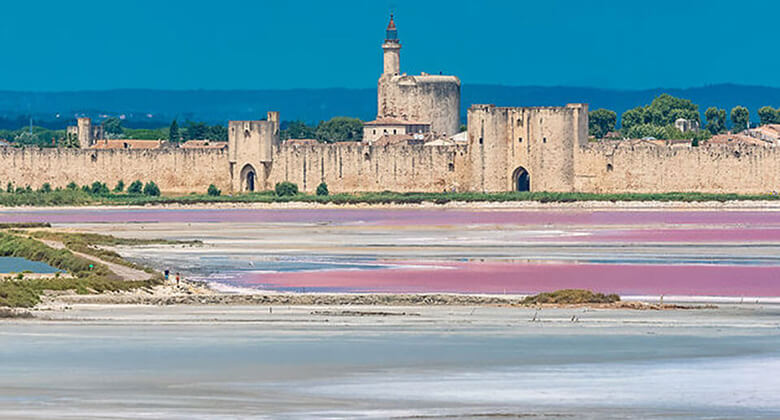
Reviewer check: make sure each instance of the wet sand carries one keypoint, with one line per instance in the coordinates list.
(193, 361)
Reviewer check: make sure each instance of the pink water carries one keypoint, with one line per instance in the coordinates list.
(752, 274)
(398, 217)
(476, 277)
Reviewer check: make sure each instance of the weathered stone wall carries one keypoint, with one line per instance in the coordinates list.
(540, 140)
(614, 167)
(174, 170)
(429, 99)
(348, 167)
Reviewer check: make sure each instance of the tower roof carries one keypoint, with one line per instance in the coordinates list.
(391, 33)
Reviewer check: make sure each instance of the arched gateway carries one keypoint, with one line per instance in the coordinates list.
(521, 179)
(248, 178)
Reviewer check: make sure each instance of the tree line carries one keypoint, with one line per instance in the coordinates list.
(657, 120)
(336, 129)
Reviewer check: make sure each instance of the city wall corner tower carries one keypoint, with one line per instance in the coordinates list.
(423, 99)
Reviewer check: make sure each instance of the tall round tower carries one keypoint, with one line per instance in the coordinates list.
(392, 48)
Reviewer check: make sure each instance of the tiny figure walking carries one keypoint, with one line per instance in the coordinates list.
(167, 273)
(177, 278)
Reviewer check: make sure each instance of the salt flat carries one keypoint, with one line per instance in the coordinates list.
(124, 361)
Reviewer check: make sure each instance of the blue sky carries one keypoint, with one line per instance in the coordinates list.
(232, 44)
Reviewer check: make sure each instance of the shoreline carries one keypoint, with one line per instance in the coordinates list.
(771, 205)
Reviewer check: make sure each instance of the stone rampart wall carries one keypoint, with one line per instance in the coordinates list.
(174, 170)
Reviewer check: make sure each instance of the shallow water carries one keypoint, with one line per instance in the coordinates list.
(630, 252)
(18, 265)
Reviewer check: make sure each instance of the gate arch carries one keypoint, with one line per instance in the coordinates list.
(248, 178)
(521, 179)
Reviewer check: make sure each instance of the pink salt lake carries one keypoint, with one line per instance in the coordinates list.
(750, 237)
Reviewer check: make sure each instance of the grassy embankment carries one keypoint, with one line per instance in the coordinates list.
(570, 297)
(86, 276)
(79, 197)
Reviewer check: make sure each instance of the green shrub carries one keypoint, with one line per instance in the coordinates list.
(286, 189)
(99, 188)
(72, 186)
(213, 191)
(136, 187)
(120, 186)
(570, 297)
(151, 189)
(10, 187)
(45, 188)
(322, 189)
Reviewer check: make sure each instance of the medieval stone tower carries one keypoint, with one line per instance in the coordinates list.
(250, 152)
(421, 99)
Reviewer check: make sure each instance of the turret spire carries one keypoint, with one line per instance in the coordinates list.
(391, 33)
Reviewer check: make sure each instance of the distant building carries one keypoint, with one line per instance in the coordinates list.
(685, 125)
(769, 133)
(86, 133)
(373, 130)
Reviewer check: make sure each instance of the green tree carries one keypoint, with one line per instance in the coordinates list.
(151, 189)
(217, 133)
(99, 188)
(340, 129)
(769, 115)
(740, 116)
(666, 109)
(297, 130)
(213, 191)
(286, 188)
(601, 122)
(72, 186)
(136, 187)
(632, 117)
(322, 189)
(196, 130)
(45, 188)
(120, 186)
(173, 132)
(716, 120)
(112, 125)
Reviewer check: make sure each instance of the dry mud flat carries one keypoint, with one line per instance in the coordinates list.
(194, 294)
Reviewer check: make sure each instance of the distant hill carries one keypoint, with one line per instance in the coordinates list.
(157, 107)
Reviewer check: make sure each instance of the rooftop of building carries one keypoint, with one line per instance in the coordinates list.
(204, 144)
(394, 121)
(127, 144)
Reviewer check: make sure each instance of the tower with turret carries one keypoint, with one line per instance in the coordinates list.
(392, 50)
(418, 100)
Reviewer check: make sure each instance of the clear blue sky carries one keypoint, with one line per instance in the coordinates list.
(231, 44)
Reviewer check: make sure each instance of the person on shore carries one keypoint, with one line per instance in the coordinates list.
(178, 276)
(167, 274)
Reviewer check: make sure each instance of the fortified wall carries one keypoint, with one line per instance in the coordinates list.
(174, 170)
(619, 166)
(349, 167)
